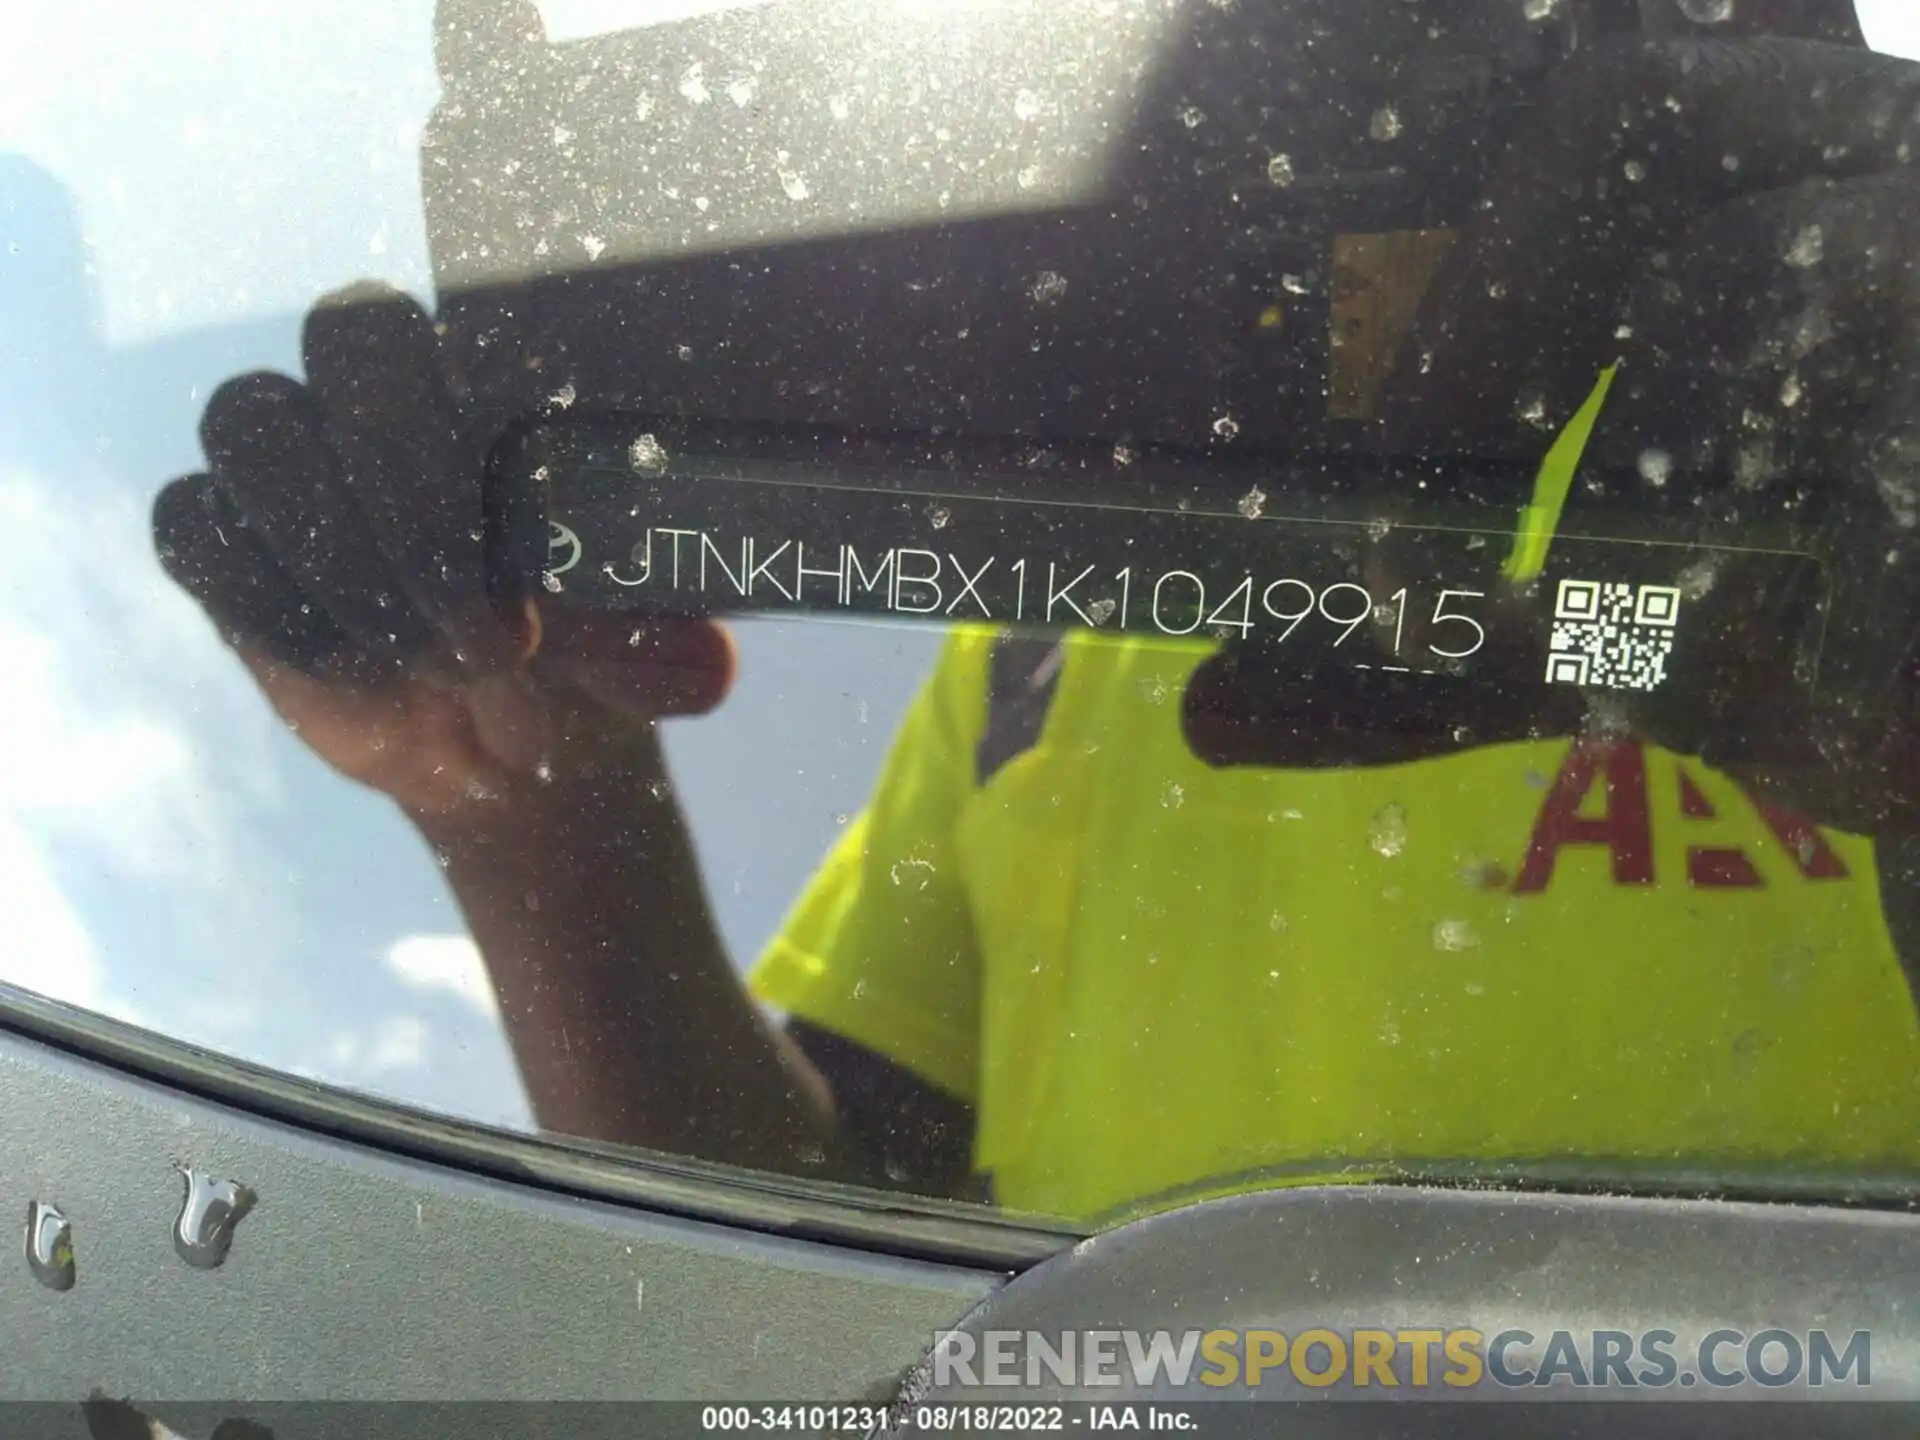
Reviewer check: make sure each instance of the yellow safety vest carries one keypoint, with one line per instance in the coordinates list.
(1146, 974)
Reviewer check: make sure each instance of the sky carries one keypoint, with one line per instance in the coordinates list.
(183, 186)
(177, 184)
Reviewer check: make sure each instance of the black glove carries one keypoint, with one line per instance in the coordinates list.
(340, 528)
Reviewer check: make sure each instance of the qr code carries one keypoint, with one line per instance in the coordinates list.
(1611, 635)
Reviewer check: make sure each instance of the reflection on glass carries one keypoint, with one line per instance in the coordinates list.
(1389, 662)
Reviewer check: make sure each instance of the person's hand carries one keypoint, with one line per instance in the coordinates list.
(338, 541)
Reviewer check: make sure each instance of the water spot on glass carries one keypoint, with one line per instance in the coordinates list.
(916, 867)
(1387, 831)
(812, 1155)
(1192, 116)
(1280, 171)
(1048, 287)
(1896, 475)
(1474, 987)
(1809, 247)
(1385, 124)
(1532, 408)
(1697, 580)
(593, 245)
(1656, 467)
(657, 788)
(1484, 875)
(1452, 936)
(1497, 289)
(741, 91)
(1293, 284)
(543, 772)
(1538, 10)
(938, 515)
(1754, 466)
(1253, 504)
(1027, 105)
(794, 184)
(1426, 362)
(1635, 170)
(1792, 392)
(1101, 611)
(1155, 689)
(1028, 177)
(1277, 922)
(693, 84)
(1226, 427)
(1122, 455)
(702, 203)
(839, 106)
(1707, 12)
(1174, 796)
(647, 456)
(564, 397)
(49, 1246)
(859, 989)
(210, 1210)
(1389, 1033)
(552, 582)
(1379, 528)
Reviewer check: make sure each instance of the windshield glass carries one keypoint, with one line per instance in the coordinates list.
(1065, 606)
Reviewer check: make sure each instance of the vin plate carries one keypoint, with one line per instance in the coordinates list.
(1396, 584)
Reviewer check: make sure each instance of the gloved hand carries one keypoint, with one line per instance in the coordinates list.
(339, 542)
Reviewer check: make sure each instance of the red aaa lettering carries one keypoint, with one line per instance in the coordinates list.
(1624, 826)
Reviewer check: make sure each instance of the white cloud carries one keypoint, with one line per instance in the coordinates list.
(47, 950)
(1892, 26)
(100, 656)
(228, 159)
(101, 772)
(398, 1042)
(449, 963)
